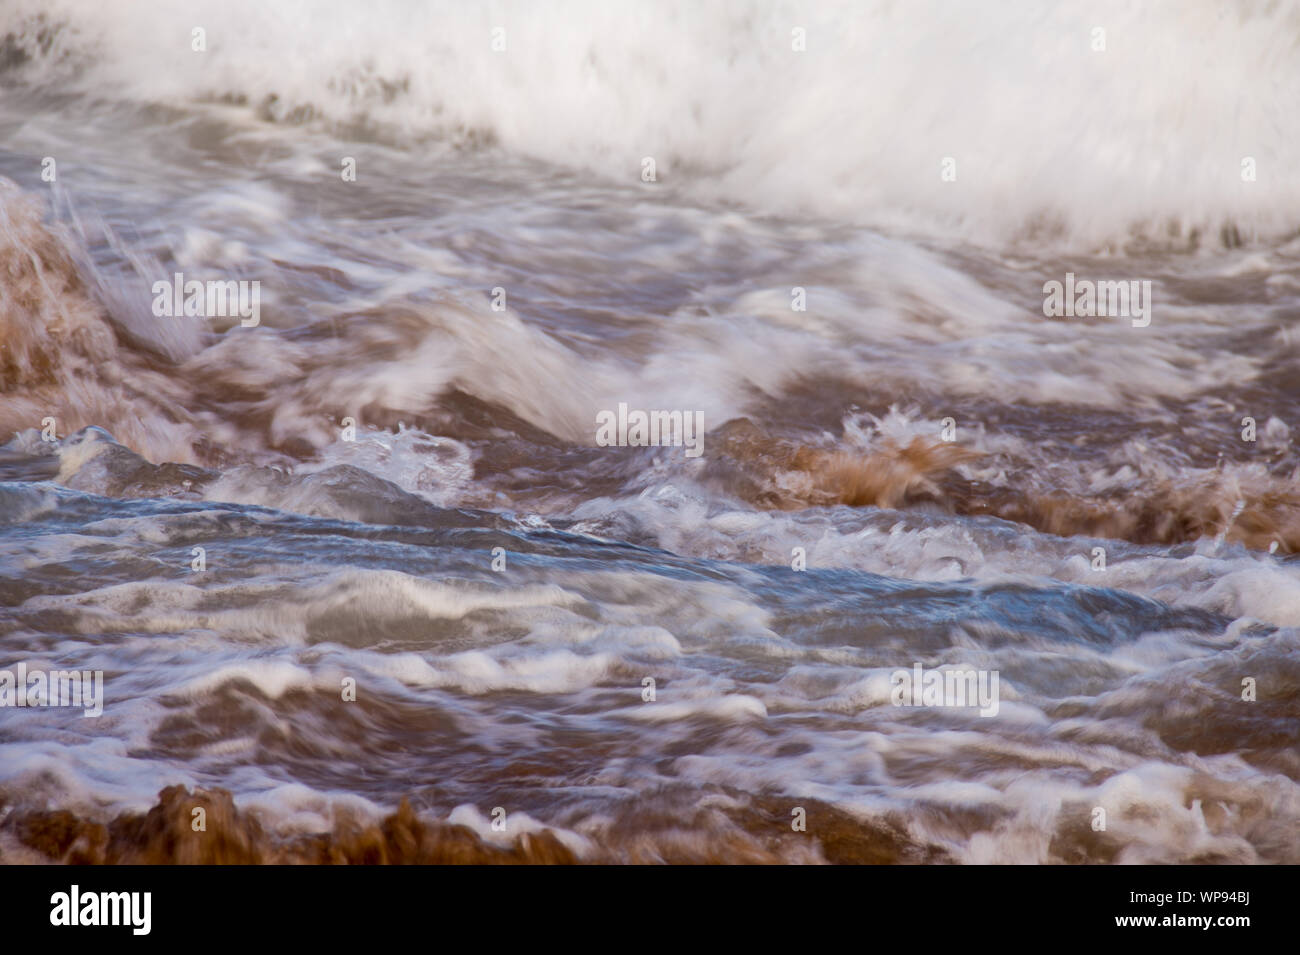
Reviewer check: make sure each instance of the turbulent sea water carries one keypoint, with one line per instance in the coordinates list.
(629, 653)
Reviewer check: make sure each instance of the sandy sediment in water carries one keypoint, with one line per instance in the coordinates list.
(760, 833)
(1258, 510)
(60, 356)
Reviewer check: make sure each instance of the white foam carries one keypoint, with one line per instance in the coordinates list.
(1151, 129)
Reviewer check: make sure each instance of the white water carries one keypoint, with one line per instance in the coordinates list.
(1046, 131)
